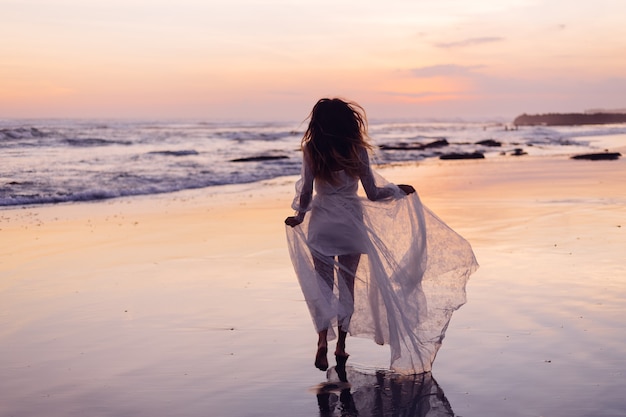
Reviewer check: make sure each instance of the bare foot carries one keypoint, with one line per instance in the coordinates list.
(340, 352)
(321, 361)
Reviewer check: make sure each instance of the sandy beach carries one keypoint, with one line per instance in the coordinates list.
(186, 303)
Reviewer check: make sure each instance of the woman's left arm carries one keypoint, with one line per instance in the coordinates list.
(306, 195)
(373, 191)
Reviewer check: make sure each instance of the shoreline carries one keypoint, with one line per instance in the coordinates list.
(612, 142)
(187, 302)
(21, 188)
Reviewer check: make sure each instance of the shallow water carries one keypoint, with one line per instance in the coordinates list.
(548, 344)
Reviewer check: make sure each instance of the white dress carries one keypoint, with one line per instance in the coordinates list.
(411, 273)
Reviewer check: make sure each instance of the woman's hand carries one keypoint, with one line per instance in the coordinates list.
(408, 189)
(292, 221)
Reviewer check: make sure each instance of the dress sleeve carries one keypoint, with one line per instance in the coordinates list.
(304, 190)
(373, 191)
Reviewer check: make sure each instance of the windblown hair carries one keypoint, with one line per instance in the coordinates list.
(335, 138)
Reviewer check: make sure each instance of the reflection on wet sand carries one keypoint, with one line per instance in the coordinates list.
(352, 392)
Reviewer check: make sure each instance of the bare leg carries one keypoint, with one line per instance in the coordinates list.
(349, 264)
(341, 356)
(340, 350)
(324, 266)
(326, 275)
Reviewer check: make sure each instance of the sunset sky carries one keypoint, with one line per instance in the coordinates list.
(272, 59)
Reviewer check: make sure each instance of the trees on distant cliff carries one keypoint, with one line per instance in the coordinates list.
(569, 119)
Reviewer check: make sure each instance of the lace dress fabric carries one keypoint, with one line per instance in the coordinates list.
(410, 273)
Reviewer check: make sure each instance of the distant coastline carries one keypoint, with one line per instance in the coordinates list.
(569, 119)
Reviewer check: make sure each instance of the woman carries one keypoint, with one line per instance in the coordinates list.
(361, 262)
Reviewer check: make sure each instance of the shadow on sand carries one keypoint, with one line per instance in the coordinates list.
(355, 392)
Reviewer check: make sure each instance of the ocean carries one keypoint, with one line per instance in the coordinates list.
(58, 161)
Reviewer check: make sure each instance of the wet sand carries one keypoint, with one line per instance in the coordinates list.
(186, 303)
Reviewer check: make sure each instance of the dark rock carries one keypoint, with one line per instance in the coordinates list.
(87, 142)
(186, 152)
(439, 143)
(473, 155)
(489, 142)
(401, 146)
(518, 152)
(260, 158)
(606, 156)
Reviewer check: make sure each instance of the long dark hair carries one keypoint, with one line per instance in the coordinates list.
(335, 138)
